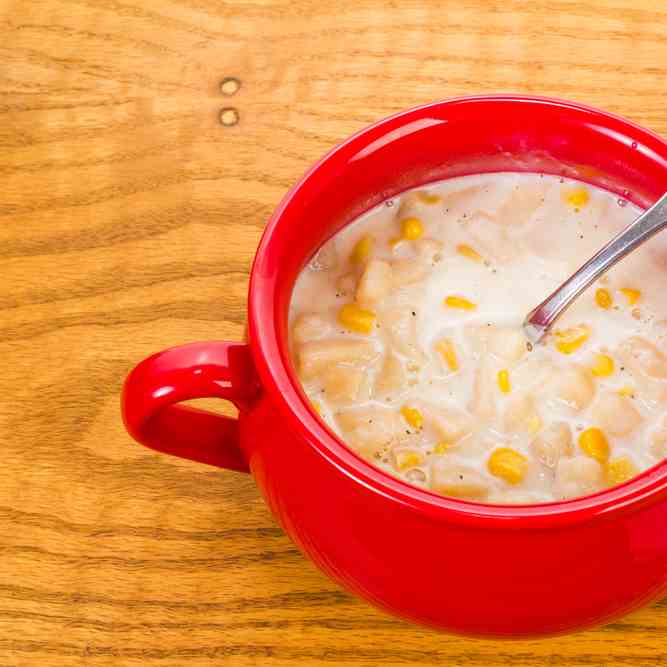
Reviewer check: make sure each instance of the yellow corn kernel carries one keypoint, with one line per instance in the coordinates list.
(356, 319)
(504, 381)
(593, 443)
(469, 252)
(317, 407)
(459, 302)
(448, 352)
(603, 366)
(620, 470)
(428, 197)
(577, 197)
(407, 459)
(362, 250)
(603, 298)
(508, 464)
(632, 295)
(441, 447)
(627, 391)
(569, 340)
(412, 416)
(412, 229)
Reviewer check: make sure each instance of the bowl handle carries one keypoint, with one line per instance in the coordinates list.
(215, 369)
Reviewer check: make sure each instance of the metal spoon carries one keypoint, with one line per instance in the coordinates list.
(539, 320)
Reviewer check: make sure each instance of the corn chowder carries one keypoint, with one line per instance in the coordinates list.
(405, 331)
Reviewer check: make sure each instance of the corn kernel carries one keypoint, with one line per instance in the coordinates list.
(412, 229)
(627, 391)
(441, 447)
(620, 470)
(508, 464)
(577, 197)
(632, 295)
(407, 459)
(428, 197)
(459, 302)
(362, 250)
(593, 443)
(569, 340)
(603, 298)
(504, 381)
(317, 407)
(469, 252)
(394, 242)
(412, 416)
(448, 352)
(356, 319)
(603, 366)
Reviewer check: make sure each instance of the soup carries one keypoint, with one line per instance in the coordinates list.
(405, 331)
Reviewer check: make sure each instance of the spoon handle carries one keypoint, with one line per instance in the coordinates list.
(539, 320)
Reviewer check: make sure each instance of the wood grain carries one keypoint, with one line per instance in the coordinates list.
(129, 217)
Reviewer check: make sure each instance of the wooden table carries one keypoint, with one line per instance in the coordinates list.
(130, 215)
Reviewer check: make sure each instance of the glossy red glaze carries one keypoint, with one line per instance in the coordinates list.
(199, 370)
(459, 566)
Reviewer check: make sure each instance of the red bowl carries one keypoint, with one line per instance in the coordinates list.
(458, 566)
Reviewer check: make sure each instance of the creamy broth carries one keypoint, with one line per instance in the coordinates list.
(405, 330)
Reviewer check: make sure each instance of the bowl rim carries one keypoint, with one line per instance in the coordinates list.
(280, 382)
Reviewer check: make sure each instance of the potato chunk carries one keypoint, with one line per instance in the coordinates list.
(571, 385)
(472, 200)
(318, 355)
(552, 444)
(371, 431)
(407, 271)
(521, 416)
(429, 251)
(375, 283)
(345, 384)
(615, 414)
(521, 205)
(346, 284)
(643, 357)
(578, 476)
(310, 326)
(492, 240)
(391, 378)
(506, 343)
(449, 423)
(459, 481)
(400, 325)
(483, 402)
